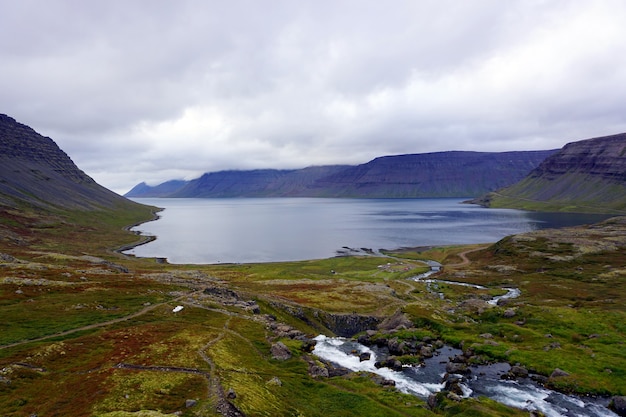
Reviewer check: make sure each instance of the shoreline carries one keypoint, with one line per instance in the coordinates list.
(142, 238)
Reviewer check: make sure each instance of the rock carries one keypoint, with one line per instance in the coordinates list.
(308, 345)
(458, 359)
(454, 397)
(190, 403)
(317, 371)
(391, 363)
(508, 313)
(365, 356)
(231, 395)
(426, 352)
(486, 336)
(433, 401)
(396, 347)
(275, 382)
(519, 371)
(453, 384)
(457, 368)
(618, 404)
(539, 378)
(5, 257)
(558, 373)
(253, 308)
(515, 372)
(380, 380)
(474, 305)
(280, 351)
(395, 322)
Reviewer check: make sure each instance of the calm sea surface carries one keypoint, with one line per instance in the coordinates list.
(247, 230)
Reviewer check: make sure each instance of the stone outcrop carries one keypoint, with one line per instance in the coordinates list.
(280, 351)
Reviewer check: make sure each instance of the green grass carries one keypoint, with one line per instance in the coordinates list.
(572, 283)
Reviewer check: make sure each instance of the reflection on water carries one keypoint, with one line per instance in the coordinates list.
(282, 229)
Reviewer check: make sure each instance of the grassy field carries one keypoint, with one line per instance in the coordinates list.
(86, 331)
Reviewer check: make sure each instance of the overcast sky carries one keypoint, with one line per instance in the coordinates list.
(155, 90)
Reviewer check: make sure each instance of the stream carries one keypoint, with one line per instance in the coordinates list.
(484, 380)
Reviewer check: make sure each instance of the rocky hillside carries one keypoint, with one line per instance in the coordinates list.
(440, 174)
(35, 172)
(584, 176)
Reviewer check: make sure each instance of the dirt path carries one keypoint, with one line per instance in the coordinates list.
(96, 325)
(463, 255)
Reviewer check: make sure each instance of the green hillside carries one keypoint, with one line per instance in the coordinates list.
(588, 176)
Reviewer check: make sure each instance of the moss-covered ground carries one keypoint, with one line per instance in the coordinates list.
(86, 331)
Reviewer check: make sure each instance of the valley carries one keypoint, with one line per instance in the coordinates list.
(88, 331)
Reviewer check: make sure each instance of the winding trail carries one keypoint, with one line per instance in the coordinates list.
(97, 325)
(464, 259)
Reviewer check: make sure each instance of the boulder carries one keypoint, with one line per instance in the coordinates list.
(453, 384)
(280, 351)
(317, 371)
(457, 368)
(397, 347)
(433, 401)
(391, 363)
(558, 373)
(519, 371)
(618, 404)
(426, 352)
(308, 345)
(275, 382)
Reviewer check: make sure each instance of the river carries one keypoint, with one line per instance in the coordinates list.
(424, 380)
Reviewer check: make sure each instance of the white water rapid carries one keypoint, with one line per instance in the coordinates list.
(422, 381)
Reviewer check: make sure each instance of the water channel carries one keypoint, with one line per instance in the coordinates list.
(484, 380)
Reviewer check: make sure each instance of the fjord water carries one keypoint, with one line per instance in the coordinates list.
(231, 230)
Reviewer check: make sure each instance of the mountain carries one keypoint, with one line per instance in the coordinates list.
(167, 187)
(440, 174)
(35, 172)
(584, 176)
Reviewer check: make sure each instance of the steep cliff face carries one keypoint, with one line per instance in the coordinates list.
(586, 176)
(603, 157)
(442, 174)
(36, 172)
(439, 174)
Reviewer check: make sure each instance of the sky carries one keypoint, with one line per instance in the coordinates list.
(153, 90)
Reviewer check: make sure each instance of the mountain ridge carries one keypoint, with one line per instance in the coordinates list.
(587, 175)
(35, 172)
(437, 174)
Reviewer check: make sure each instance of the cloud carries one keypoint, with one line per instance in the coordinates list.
(155, 90)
